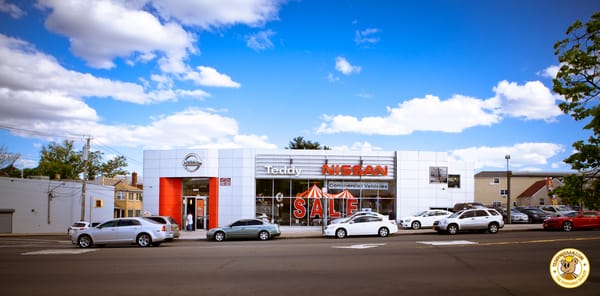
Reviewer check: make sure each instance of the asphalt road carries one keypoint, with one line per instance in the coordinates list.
(507, 263)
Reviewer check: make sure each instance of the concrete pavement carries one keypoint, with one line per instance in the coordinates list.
(315, 231)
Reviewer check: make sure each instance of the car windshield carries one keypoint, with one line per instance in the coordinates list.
(564, 208)
(421, 213)
(571, 214)
(456, 214)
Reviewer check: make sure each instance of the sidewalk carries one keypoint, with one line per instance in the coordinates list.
(315, 231)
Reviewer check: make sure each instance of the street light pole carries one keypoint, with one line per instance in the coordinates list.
(508, 212)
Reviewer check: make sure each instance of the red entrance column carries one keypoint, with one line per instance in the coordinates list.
(169, 198)
(213, 202)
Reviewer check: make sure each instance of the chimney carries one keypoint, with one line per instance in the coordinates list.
(134, 179)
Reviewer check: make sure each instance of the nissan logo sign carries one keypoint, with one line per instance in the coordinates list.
(191, 162)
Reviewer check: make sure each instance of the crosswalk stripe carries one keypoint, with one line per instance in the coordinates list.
(59, 252)
(447, 243)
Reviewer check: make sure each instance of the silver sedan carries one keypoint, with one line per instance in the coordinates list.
(244, 228)
(133, 230)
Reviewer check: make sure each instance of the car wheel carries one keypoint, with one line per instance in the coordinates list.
(263, 235)
(84, 241)
(567, 226)
(452, 229)
(416, 225)
(383, 232)
(493, 228)
(219, 236)
(340, 233)
(144, 240)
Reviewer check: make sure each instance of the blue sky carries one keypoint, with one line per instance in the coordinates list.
(472, 78)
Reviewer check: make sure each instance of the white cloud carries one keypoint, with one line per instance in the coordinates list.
(368, 36)
(210, 14)
(332, 78)
(358, 146)
(100, 31)
(189, 128)
(207, 76)
(523, 156)
(550, 72)
(530, 101)
(260, 41)
(41, 106)
(26, 69)
(343, 66)
(13, 10)
(420, 114)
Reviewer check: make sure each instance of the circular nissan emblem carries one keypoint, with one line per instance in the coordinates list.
(191, 162)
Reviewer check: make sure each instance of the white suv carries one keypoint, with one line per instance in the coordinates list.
(472, 219)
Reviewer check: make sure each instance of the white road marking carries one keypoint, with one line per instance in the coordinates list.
(447, 243)
(60, 252)
(361, 246)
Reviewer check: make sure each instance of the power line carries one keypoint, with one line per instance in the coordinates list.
(38, 133)
(73, 137)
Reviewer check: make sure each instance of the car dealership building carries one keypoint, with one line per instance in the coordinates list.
(299, 187)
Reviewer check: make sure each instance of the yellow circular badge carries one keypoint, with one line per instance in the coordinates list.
(569, 268)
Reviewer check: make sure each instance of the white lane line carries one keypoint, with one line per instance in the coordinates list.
(447, 243)
(361, 246)
(59, 252)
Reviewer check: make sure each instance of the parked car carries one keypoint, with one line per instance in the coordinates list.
(173, 230)
(424, 219)
(469, 220)
(573, 221)
(357, 214)
(79, 225)
(535, 215)
(557, 210)
(466, 205)
(515, 215)
(362, 225)
(133, 230)
(244, 229)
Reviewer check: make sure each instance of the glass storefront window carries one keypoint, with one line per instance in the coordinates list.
(278, 200)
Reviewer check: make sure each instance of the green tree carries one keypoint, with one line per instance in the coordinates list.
(114, 167)
(578, 81)
(301, 144)
(62, 161)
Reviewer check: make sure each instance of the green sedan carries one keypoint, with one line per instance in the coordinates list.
(244, 229)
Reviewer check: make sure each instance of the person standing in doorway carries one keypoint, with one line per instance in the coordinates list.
(190, 222)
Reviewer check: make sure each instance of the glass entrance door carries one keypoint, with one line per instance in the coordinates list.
(196, 206)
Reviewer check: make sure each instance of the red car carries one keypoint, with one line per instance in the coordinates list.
(574, 220)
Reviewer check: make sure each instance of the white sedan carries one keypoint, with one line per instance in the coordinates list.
(424, 219)
(362, 225)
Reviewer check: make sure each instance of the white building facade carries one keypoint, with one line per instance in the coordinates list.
(35, 206)
(299, 187)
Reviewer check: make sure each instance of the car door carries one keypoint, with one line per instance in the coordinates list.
(357, 226)
(237, 228)
(128, 229)
(253, 227)
(482, 219)
(432, 217)
(105, 232)
(467, 220)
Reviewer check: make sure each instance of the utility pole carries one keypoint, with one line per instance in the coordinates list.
(86, 150)
(508, 205)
